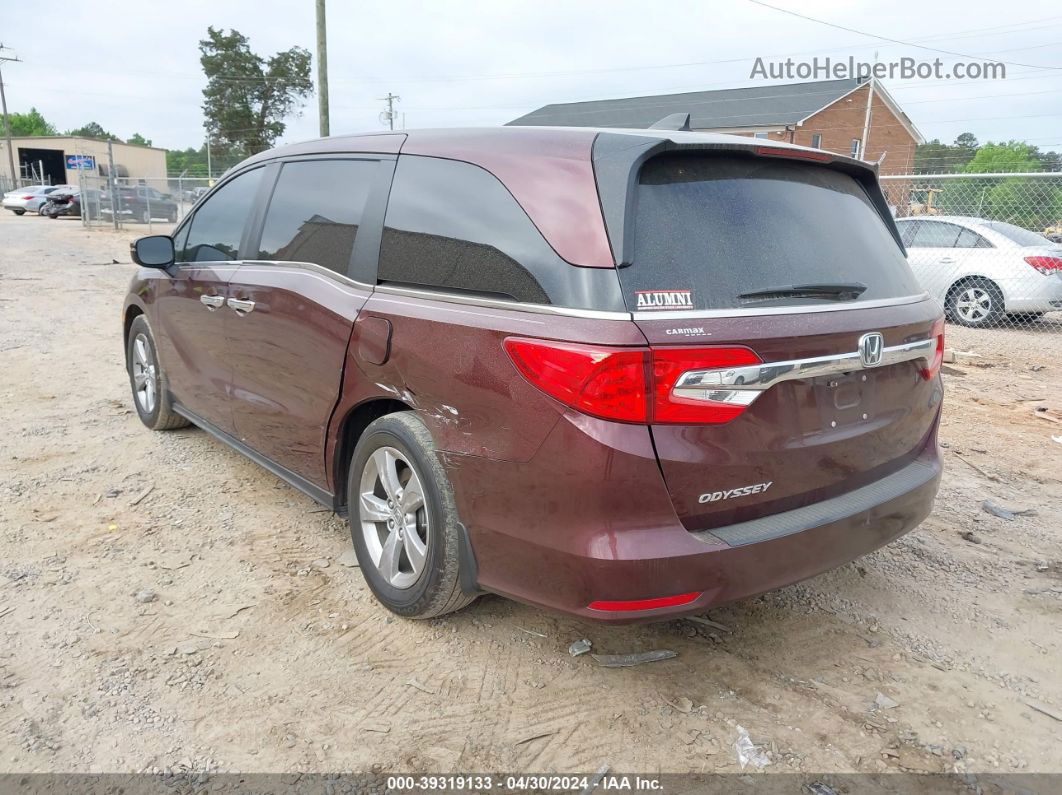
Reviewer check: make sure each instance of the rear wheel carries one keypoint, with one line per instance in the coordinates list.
(150, 397)
(19, 212)
(975, 303)
(403, 520)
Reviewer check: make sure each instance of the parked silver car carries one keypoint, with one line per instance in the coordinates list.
(984, 271)
(28, 199)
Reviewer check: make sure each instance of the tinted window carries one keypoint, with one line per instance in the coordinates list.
(315, 212)
(1023, 237)
(970, 239)
(454, 226)
(708, 230)
(935, 234)
(218, 223)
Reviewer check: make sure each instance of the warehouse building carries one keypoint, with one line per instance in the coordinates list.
(59, 159)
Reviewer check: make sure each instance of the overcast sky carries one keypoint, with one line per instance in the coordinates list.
(134, 66)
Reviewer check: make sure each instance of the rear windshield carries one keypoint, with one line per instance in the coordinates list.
(731, 232)
(1023, 237)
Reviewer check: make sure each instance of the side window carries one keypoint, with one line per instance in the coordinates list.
(315, 212)
(454, 226)
(931, 234)
(907, 230)
(970, 239)
(216, 229)
(180, 241)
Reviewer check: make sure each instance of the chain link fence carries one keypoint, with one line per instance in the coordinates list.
(153, 205)
(988, 247)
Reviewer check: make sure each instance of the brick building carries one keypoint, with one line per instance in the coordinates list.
(828, 114)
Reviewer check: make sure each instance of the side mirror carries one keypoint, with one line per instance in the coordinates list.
(155, 251)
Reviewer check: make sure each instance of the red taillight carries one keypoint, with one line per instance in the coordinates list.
(1046, 265)
(626, 384)
(938, 351)
(27, 198)
(630, 605)
(800, 154)
(603, 382)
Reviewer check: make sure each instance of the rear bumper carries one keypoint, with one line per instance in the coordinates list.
(1033, 293)
(565, 568)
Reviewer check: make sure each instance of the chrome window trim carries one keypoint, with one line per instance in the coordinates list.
(313, 267)
(740, 386)
(683, 314)
(494, 303)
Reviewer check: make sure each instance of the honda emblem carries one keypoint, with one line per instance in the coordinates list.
(871, 349)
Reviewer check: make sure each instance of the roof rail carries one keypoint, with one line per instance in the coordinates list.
(675, 121)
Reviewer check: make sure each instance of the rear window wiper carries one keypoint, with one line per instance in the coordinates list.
(838, 292)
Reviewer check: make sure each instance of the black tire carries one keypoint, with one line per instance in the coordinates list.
(41, 210)
(1024, 317)
(159, 416)
(19, 212)
(975, 303)
(437, 589)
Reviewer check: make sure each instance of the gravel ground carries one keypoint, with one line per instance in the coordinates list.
(167, 604)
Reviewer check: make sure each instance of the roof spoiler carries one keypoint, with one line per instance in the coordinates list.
(675, 121)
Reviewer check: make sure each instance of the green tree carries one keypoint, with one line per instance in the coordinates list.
(1011, 156)
(138, 140)
(247, 97)
(93, 130)
(32, 123)
(1026, 201)
(934, 157)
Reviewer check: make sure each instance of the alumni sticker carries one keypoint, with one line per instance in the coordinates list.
(649, 300)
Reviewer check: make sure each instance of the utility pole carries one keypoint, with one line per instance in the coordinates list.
(866, 118)
(210, 173)
(7, 121)
(389, 114)
(322, 69)
(113, 181)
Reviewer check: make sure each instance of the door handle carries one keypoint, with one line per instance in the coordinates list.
(241, 307)
(946, 260)
(212, 302)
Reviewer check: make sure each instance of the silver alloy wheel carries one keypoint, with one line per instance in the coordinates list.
(394, 518)
(145, 375)
(974, 304)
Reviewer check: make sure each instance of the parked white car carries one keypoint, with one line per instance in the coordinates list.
(984, 271)
(29, 199)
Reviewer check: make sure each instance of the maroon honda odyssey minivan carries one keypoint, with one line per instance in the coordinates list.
(622, 374)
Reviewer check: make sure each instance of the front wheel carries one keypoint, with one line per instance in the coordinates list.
(19, 212)
(150, 397)
(403, 520)
(975, 303)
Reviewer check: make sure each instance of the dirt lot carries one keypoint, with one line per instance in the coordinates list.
(165, 603)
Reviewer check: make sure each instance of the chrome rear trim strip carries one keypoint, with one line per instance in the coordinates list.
(494, 303)
(740, 386)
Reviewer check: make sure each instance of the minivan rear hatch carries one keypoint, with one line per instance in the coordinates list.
(799, 351)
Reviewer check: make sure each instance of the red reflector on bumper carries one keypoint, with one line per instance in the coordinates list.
(629, 605)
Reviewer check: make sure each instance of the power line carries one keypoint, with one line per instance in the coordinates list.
(887, 38)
